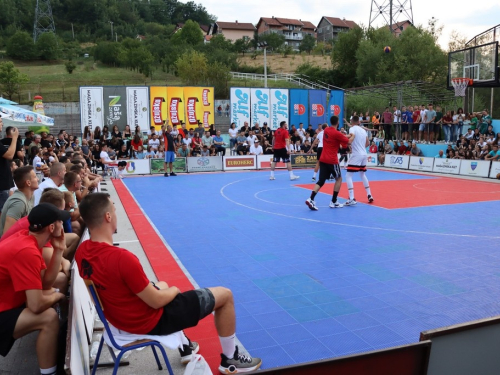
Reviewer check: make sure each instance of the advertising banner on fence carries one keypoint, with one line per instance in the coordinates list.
(159, 106)
(240, 105)
(418, 163)
(371, 160)
(91, 107)
(138, 107)
(397, 161)
(260, 106)
(299, 107)
(317, 108)
(446, 165)
(137, 166)
(279, 107)
(115, 106)
(207, 105)
(204, 164)
(336, 106)
(194, 108)
(175, 103)
(179, 165)
(264, 162)
(304, 160)
(479, 168)
(240, 162)
(495, 169)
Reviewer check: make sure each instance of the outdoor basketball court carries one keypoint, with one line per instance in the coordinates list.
(310, 285)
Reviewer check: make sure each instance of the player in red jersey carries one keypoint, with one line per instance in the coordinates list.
(281, 146)
(329, 163)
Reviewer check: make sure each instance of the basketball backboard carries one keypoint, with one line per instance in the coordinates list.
(479, 63)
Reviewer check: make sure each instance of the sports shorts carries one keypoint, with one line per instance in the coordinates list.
(169, 157)
(320, 150)
(281, 153)
(327, 170)
(357, 163)
(8, 320)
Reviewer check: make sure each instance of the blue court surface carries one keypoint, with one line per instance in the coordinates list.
(310, 285)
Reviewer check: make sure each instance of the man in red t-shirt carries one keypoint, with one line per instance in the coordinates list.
(24, 304)
(134, 304)
(281, 150)
(329, 163)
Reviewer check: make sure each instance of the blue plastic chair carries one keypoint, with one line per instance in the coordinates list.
(122, 349)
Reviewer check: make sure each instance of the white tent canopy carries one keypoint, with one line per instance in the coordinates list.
(16, 116)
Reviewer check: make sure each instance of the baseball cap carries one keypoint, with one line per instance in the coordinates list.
(256, 141)
(265, 123)
(45, 214)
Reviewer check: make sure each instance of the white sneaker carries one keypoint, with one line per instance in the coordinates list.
(294, 178)
(336, 205)
(272, 178)
(310, 203)
(350, 202)
(314, 178)
(370, 199)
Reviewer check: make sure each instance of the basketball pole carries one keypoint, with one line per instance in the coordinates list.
(491, 103)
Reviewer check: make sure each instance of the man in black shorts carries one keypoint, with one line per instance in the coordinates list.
(281, 148)
(134, 304)
(318, 142)
(329, 164)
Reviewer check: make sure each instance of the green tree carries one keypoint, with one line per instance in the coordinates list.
(242, 45)
(190, 34)
(21, 46)
(70, 66)
(274, 40)
(344, 57)
(10, 79)
(108, 53)
(218, 76)
(286, 50)
(47, 47)
(192, 68)
(307, 44)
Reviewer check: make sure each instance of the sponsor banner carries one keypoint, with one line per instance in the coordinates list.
(299, 107)
(336, 106)
(138, 107)
(397, 161)
(240, 105)
(136, 167)
(179, 165)
(264, 162)
(91, 107)
(495, 169)
(371, 160)
(304, 160)
(260, 106)
(478, 168)
(175, 103)
(159, 106)
(115, 106)
(194, 108)
(208, 105)
(446, 165)
(317, 107)
(419, 163)
(240, 162)
(279, 107)
(204, 164)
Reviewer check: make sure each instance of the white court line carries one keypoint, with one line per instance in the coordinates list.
(343, 224)
(452, 192)
(127, 241)
(279, 204)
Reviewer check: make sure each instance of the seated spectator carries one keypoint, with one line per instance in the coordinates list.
(373, 148)
(415, 151)
(161, 152)
(123, 153)
(136, 142)
(207, 139)
(256, 148)
(87, 185)
(469, 135)
(200, 129)
(402, 148)
(57, 172)
(233, 134)
(219, 144)
(105, 158)
(150, 153)
(212, 151)
(140, 153)
(306, 147)
(196, 144)
(20, 203)
(485, 151)
(154, 142)
(476, 152)
(114, 144)
(72, 183)
(268, 148)
(187, 140)
(136, 305)
(251, 137)
(460, 153)
(178, 141)
(205, 151)
(183, 152)
(440, 155)
(448, 150)
(494, 154)
(25, 304)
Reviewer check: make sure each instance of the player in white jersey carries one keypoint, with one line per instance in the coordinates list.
(357, 162)
(319, 143)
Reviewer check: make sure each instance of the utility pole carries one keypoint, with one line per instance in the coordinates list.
(264, 45)
(44, 21)
(389, 13)
(73, 31)
(111, 22)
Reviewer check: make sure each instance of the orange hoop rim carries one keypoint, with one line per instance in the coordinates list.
(469, 81)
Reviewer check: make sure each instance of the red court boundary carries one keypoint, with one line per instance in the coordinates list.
(166, 268)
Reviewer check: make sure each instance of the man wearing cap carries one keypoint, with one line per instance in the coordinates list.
(256, 148)
(6, 155)
(24, 304)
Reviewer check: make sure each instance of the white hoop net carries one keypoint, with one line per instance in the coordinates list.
(460, 85)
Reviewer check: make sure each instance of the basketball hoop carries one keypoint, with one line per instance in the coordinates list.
(460, 85)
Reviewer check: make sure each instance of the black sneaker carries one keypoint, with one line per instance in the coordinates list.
(165, 175)
(239, 363)
(188, 350)
(370, 199)
(172, 174)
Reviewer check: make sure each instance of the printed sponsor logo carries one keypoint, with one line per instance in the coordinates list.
(204, 97)
(371, 159)
(203, 162)
(191, 110)
(396, 160)
(247, 162)
(206, 115)
(421, 161)
(130, 168)
(174, 110)
(299, 109)
(335, 109)
(158, 120)
(318, 110)
(473, 165)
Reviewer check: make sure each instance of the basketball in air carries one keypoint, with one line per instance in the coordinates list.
(498, 176)
(387, 49)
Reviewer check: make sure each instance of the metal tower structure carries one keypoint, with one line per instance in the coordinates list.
(391, 12)
(44, 21)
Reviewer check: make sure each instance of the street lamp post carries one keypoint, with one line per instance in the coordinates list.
(111, 22)
(264, 45)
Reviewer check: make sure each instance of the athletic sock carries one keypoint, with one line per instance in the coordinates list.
(272, 173)
(49, 371)
(350, 186)
(365, 183)
(313, 195)
(291, 173)
(315, 174)
(334, 198)
(228, 345)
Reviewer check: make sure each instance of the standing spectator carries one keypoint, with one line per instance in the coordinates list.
(7, 141)
(227, 109)
(233, 134)
(485, 122)
(200, 129)
(387, 117)
(397, 123)
(219, 144)
(212, 131)
(37, 141)
(404, 123)
(447, 122)
(60, 142)
(219, 110)
(28, 139)
(19, 204)
(430, 118)
(169, 153)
